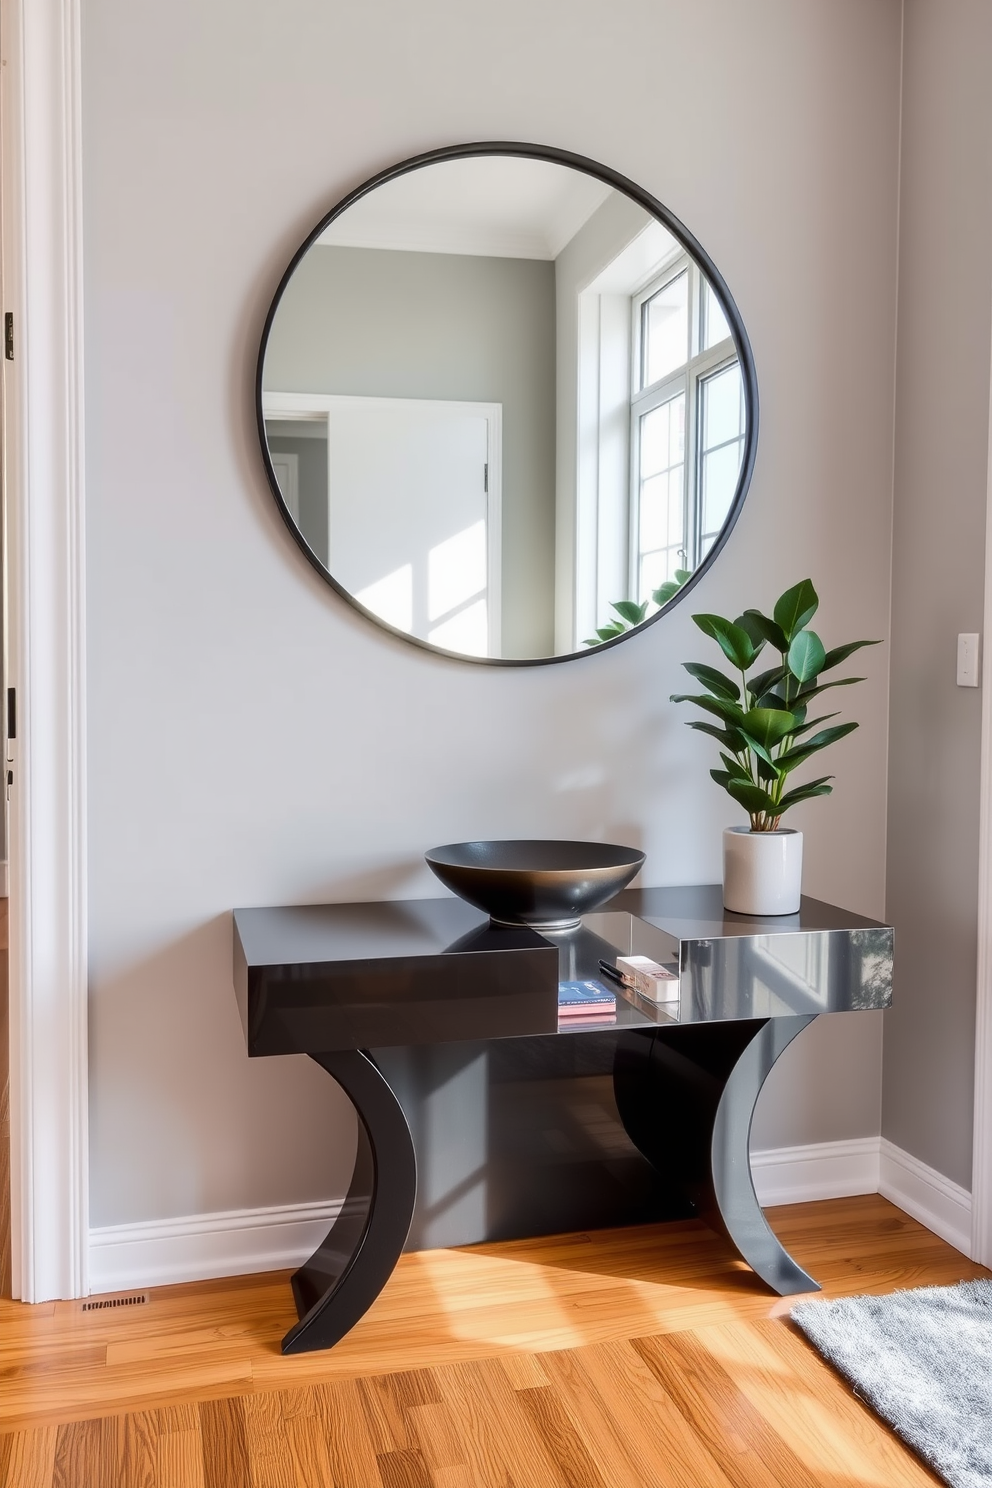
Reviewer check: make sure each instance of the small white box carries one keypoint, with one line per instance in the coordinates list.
(649, 978)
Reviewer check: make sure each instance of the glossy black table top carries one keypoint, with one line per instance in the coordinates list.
(321, 977)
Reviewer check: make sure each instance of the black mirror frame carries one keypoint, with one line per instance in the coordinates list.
(678, 231)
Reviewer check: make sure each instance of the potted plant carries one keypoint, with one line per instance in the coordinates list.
(765, 733)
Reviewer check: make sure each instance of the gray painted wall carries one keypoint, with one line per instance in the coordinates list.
(938, 577)
(252, 739)
(442, 325)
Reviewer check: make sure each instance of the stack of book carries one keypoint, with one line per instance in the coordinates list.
(646, 977)
(585, 1000)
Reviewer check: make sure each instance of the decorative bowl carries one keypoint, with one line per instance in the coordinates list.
(545, 884)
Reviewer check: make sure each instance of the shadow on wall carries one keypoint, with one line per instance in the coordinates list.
(181, 1120)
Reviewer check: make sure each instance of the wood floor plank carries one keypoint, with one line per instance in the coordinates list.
(30, 1458)
(308, 1448)
(179, 1460)
(454, 1477)
(384, 1416)
(225, 1449)
(562, 1441)
(405, 1468)
(634, 1430)
(497, 1432)
(346, 1432)
(436, 1436)
(90, 1454)
(721, 1416)
(270, 1458)
(140, 1465)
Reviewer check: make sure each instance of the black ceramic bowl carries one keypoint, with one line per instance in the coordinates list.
(546, 884)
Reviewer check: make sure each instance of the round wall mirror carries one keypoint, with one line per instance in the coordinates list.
(507, 404)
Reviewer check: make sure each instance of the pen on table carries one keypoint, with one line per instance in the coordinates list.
(610, 970)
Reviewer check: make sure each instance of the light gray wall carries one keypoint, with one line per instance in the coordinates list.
(938, 577)
(443, 325)
(252, 739)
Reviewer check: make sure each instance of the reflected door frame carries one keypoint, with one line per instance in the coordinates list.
(308, 407)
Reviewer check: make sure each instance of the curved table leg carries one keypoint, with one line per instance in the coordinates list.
(347, 1272)
(686, 1097)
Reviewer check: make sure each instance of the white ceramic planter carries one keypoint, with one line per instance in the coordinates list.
(762, 871)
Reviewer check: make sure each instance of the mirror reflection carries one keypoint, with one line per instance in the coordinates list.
(504, 407)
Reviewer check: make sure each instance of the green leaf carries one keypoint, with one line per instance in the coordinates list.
(759, 624)
(798, 756)
(671, 587)
(763, 683)
(815, 743)
(629, 611)
(729, 738)
(806, 693)
(796, 608)
(759, 749)
(723, 707)
(665, 592)
(766, 772)
(841, 653)
(768, 725)
(717, 683)
(806, 656)
(752, 798)
(805, 793)
(734, 642)
(745, 622)
(813, 723)
(735, 768)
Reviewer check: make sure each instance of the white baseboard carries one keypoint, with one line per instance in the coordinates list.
(234, 1242)
(821, 1170)
(239, 1241)
(937, 1202)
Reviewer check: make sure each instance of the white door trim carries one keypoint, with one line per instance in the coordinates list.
(981, 1181)
(44, 468)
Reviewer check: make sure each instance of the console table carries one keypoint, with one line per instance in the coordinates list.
(482, 1117)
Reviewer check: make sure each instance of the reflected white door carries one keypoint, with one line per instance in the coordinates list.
(287, 473)
(413, 515)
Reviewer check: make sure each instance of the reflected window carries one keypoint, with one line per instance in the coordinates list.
(661, 494)
(687, 426)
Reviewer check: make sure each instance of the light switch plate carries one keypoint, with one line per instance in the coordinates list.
(968, 660)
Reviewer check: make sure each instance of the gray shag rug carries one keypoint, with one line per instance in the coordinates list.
(923, 1361)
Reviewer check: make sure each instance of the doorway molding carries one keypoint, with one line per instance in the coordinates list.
(44, 482)
(981, 1179)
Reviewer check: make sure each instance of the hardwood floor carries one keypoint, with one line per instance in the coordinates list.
(4, 1107)
(640, 1358)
